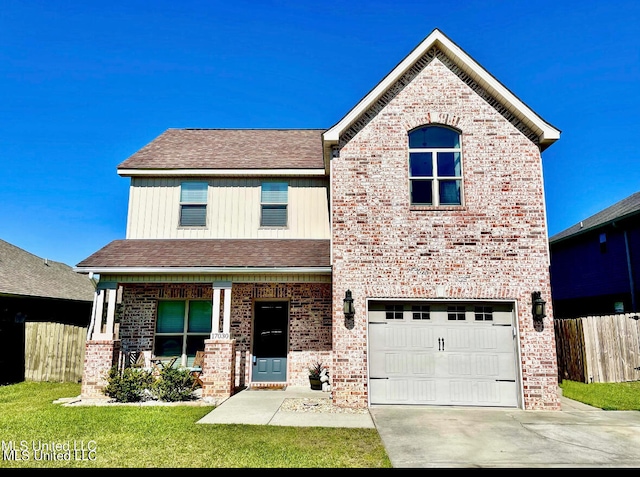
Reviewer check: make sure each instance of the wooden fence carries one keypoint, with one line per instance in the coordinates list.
(598, 349)
(54, 352)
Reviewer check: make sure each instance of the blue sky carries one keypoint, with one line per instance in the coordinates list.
(85, 84)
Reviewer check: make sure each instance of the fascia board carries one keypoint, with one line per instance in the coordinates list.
(202, 270)
(222, 172)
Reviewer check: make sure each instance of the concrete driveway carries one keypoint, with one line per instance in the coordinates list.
(577, 436)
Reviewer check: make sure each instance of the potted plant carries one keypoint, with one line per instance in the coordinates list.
(315, 372)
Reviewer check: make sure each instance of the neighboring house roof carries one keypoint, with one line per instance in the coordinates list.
(229, 149)
(618, 211)
(470, 71)
(172, 255)
(24, 274)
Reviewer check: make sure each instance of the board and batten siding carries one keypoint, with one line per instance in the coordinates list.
(233, 209)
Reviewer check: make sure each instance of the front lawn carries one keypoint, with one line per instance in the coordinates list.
(162, 436)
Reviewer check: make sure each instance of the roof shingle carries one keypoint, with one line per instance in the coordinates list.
(185, 253)
(623, 208)
(231, 149)
(25, 274)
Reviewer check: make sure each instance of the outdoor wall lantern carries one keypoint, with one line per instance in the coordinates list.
(349, 310)
(537, 307)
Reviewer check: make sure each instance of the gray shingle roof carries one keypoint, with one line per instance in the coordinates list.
(231, 149)
(626, 207)
(25, 274)
(133, 253)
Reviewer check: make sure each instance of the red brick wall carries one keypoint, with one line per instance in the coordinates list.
(99, 356)
(309, 320)
(493, 247)
(309, 325)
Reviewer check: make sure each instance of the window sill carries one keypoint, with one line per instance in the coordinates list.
(436, 208)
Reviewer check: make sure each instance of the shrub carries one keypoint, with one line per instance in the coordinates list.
(129, 386)
(174, 385)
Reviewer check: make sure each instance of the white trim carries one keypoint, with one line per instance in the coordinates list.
(226, 313)
(215, 314)
(222, 172)
(547, 133)
(111, 312)
(192, 270)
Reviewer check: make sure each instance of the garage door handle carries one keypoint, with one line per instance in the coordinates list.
(440, 344)
(371, 377)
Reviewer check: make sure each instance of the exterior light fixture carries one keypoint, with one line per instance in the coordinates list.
(349, 310)
(537, 306)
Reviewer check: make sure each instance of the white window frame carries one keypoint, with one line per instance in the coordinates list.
(436, 178)
(267, 203)
(193, 202)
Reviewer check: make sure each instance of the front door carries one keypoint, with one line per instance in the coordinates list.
(270, 327)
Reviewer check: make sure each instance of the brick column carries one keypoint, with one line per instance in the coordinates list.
(218, 371)
(99, 356)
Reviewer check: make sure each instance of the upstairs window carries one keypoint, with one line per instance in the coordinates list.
(273, 204)
(435, 166)
(193, 204)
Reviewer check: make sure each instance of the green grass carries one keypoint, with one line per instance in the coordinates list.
(607, 396)
(168, 436)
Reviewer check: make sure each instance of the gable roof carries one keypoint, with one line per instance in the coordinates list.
(473, 72)
(209, 255)
(211, 150)
(24, 274)
(623, 209)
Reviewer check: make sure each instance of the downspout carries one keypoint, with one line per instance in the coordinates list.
(630, 271)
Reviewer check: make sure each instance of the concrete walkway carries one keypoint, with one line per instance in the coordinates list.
(262, 407)
(443, 436)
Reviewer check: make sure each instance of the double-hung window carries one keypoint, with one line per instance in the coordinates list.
(273, 204)
(435, 166)
(193, 204)
(181, 328)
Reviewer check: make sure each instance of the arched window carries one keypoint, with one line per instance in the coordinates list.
(435, 166)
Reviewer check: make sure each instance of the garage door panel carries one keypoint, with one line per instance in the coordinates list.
(404, 391)
(458, 364)
(456, 339)
(422, 337)
(470, 360)
(498, 366)
(423, 364)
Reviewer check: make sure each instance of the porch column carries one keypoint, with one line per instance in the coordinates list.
(96, 310)
(219, 287)
(226, 315)
(106, 292)
(215, 312)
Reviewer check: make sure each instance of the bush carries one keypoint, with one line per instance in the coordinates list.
(131, 385)
(174, 385)
(135, 385)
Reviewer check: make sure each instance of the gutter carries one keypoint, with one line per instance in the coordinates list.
(203, 270)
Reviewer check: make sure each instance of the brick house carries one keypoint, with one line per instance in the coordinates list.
(401, 247)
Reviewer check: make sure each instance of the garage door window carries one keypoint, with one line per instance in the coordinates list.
(421, 312)
(484, 313)
(455, 313)
(394, 312)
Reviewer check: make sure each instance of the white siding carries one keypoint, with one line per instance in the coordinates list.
(233, 209)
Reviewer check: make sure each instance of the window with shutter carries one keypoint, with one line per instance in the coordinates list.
(193, 204)
(273, 204)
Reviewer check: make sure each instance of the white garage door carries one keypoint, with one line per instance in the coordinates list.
(442, 353)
